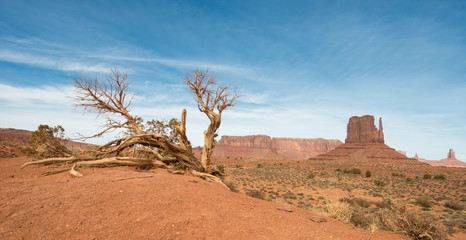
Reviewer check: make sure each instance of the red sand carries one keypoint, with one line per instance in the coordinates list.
(121, 203)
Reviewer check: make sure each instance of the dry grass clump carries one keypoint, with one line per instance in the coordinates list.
(424, 201)
(417, 225)
(256, 194)
(455, 205)
(341, 211)
(230, 183)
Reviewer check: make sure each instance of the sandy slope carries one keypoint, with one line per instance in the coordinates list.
(121, 203)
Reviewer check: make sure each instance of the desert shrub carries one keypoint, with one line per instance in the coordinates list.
(346, 200)
(356, 202)
(424, 201)
(398, 175)
(380, 183)
(259, 165)
(455, 205)
(368, 174)
(356, 171)
(346, 170)
(361, 202)
(290, 195)
(409, 179)
(221, 168)
(311, 176)
(420, 225)
(338, 170)
(358, 219)
(427, 176)
(340, 211)
(385, 203)
(46, 142)
(238, 166)
(417, 225)
(230, 184)
(255, 194)
(440, 176)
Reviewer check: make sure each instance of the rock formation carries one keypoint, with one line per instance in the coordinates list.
(263, 146)
(451, 154)
(363, 130)
(450, 161)
(365, 143)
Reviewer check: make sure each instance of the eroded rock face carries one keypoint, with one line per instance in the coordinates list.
(450, 161)
(365, 143)
(451, 154)
(363, 130)
(267, 147)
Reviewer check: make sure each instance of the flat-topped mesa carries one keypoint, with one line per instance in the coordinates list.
(264, 146)
(363, 130)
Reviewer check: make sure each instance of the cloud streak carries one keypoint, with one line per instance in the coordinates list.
(51, 62)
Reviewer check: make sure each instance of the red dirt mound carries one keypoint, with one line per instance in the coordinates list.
(121, 203)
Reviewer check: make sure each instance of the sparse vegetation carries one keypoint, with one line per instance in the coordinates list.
(368, 174)
(340, 211)
(424, 201)
(427, 176)
(380, 183)
(47, 142)
(440, 176)
(455, 205)
(230, 183)
(256, 194)
(221, 168)
(417, 225)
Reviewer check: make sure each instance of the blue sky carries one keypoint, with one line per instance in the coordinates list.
(305, 67)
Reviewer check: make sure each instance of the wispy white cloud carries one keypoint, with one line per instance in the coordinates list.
(52, 62)
(45, 94)
(178, 63)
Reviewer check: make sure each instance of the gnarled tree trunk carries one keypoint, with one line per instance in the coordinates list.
(109, 97)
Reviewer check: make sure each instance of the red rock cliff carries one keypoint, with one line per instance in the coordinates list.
(267, 147)
(363, 130)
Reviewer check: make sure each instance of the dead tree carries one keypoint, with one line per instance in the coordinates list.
(211, 99)
(110, 97)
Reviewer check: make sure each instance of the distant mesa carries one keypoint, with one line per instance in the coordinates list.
(263, 146)
(11, 138)
(450, 161)
(365, 143)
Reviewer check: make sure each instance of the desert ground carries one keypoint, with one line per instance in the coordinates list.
(312, 185)
(126, 203)
(260, 199)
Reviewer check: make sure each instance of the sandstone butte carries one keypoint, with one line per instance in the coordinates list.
(365, 143)
(450, 161)
(264, 146)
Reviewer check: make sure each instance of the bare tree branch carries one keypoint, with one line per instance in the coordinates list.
(212, 98)
(110, 96)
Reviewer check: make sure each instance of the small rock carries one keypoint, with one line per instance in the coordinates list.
(285, 208)
(317, 219)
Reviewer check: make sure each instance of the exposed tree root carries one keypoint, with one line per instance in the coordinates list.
(87, 161)
(109, 97)
(208, 177)
(55, 172)
(75, 173)
(50, 161)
